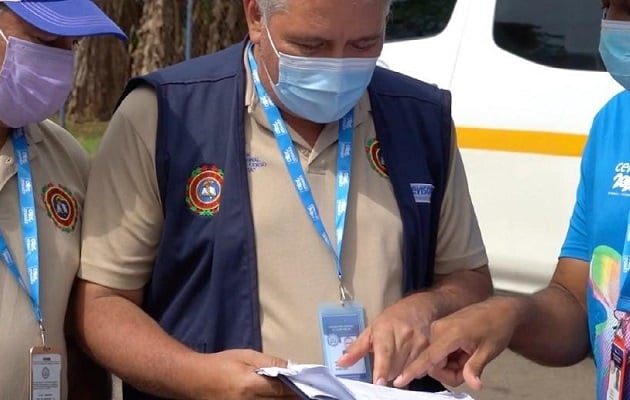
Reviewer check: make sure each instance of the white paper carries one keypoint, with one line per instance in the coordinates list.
(317, 382)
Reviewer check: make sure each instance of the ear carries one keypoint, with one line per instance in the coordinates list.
(254, 20)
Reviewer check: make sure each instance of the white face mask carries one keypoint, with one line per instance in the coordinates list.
(35, 81)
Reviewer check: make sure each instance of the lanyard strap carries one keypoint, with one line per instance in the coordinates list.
(28, 222)
(300, 182)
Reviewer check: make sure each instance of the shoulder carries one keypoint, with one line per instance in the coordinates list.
(223, 66)
(615, 110)
(58, 140)
(139, 104)
(612, 121)
(57, 148)
(393, 84)
(216, 66)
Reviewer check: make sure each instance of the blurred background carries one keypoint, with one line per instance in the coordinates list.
(165, 32)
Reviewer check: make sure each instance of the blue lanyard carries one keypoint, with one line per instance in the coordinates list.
(300, 182)
(28, 223)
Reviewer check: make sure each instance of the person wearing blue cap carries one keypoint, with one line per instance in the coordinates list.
(43, 176)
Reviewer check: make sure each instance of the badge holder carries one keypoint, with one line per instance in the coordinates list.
(45, 371)
(618, 364)
(340, 324)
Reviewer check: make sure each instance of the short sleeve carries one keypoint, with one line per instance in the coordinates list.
(459, 242)
(577, 242)
(123, 214)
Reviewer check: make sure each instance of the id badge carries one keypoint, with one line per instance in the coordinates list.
(340, 325)
(617, 372)
(45, 367)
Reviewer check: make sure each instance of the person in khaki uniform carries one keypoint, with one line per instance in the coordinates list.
(127, 219)
(43, 177)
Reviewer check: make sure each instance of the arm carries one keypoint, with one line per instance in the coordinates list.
(552, 325)
(127, 341)
(122, 226)
(457, 290)
(549, 327)
(86, 379)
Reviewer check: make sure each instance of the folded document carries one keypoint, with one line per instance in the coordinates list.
(316, 382)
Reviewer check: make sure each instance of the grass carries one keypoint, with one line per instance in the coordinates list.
(87, 133)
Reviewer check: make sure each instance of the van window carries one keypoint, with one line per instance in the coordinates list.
(556, 33)
(413, 19)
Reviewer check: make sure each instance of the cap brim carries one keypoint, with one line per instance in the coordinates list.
(76, 18)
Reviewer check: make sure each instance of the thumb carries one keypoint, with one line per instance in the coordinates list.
(357, 350)
(474, 368)
(260, 360)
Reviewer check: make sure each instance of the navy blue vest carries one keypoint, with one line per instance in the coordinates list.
(203, 289)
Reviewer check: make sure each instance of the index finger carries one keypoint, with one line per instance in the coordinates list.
(384, 347)
(357, 350)
(433, 356)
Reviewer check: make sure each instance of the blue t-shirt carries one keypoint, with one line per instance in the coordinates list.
(598, 226)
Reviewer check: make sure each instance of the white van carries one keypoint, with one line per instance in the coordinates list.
(527, 80)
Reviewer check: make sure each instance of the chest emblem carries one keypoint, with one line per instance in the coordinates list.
(203, 191)
(375, 158)
(61, 206)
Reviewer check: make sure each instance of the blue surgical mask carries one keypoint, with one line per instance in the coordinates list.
(614, 47)
(321, 90)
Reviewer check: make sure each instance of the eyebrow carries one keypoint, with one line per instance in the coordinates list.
(316, 39)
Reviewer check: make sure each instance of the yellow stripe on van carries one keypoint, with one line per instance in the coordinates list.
(515, 141)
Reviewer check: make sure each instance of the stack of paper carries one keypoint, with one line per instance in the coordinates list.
(316, 382)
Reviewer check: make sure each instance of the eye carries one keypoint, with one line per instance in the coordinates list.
(364, 44)
(309, 47)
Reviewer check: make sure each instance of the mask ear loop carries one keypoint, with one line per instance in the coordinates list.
(4, 37)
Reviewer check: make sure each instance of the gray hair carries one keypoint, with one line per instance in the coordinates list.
(269, 7)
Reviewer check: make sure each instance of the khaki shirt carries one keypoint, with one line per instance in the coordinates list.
(59, 166)
(296, 271)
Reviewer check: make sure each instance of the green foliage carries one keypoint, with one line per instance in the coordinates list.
(88, 133)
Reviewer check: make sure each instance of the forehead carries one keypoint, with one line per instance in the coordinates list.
(333, 16)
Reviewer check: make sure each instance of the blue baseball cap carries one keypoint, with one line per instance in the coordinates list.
(77, 18)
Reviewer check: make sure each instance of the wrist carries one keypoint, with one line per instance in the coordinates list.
(515, 308)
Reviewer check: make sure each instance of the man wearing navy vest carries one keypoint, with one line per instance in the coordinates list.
(264, 203)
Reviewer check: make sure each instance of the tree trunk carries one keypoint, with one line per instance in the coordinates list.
(103, 65)
(160, 39)
(218, 24)
(157, 39)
